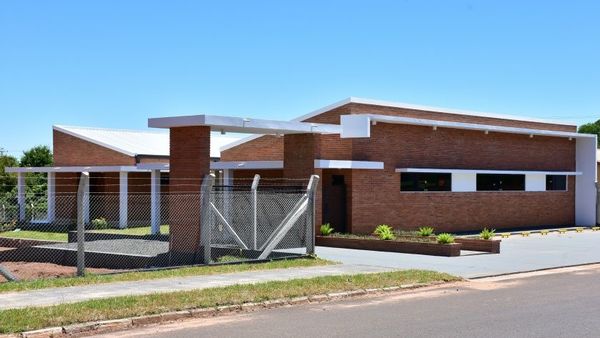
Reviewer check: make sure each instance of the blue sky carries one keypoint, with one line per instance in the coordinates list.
(116, 63)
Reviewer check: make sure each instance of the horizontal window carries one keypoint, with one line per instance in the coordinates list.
(425, 182)
(556, 182)
(498, 182)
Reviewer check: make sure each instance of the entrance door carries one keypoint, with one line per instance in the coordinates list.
(334, 203)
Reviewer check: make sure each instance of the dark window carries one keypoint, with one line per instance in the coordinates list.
(496, 182)
(556, 182)
(425, 182)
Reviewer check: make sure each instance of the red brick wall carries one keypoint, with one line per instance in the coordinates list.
(264, 148)
(73, 151)
(190, 153)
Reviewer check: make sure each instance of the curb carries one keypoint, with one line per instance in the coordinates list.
(108, 326)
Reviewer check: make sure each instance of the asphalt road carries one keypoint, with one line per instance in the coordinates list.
(565, 304)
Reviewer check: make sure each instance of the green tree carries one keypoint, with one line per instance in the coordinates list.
(590, 128)
(8, 181)
(39, 156)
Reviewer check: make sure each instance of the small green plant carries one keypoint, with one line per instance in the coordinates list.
(229, 258)
(100, 223)
(487, 233)
(385, 232)
(425, 231)
(10, 226)
(326, 229)
(445, 238)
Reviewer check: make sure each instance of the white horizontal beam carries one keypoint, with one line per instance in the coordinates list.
(74, 169)
(244, 125)
(347, 164)
(486, 171)
(246, 165)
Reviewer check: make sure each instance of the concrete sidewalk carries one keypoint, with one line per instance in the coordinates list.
(54, 296)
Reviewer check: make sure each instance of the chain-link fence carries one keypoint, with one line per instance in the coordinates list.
(61, 233)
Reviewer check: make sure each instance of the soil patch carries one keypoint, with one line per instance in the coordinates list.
(29, 270)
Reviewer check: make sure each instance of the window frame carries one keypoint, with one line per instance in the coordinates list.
(524, 184)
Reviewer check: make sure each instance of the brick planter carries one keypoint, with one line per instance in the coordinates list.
(474, 244)
(420, 248)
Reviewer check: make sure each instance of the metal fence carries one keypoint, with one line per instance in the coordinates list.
(62, 234)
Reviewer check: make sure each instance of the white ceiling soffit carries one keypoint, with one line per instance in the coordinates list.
(486, 171)
(359, 125)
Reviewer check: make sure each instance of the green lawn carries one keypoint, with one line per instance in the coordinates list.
(62, 236)
(33, 318)
(166, 273)
(40, 235)
(164, 229)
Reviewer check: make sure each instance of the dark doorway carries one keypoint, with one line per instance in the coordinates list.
(334, 202)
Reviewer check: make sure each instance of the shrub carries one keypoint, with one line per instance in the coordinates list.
(385, 232)
(383, 228)
(326, 229)
(425, 231)
(100, 223)
(10, 226)
(487, 233)
(445, 238)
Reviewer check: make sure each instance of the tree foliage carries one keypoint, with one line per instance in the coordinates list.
(590, 128)
(39, 156)
(7, 181)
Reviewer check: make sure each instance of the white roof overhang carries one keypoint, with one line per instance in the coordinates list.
(359, 125)
(485, 171)
(74, 169)
(244, 125)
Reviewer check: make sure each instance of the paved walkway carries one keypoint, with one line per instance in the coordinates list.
(518, 254)
(53, 296)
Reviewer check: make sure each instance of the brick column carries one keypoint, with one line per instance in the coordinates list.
(299, 154)
(189, 163)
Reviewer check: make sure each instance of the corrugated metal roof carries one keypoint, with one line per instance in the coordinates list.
(138, 142)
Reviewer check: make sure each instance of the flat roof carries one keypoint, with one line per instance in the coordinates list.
(244, 125)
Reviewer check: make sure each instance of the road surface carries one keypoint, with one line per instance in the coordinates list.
(555, 304)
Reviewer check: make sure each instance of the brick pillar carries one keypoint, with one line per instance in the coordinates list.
(189, 163)
(299, 154)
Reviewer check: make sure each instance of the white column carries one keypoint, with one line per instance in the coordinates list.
(86, 198)
(123, 199)
(227, 181)
(51, 197)
(585, 187)
(155, 201)
(21, 195)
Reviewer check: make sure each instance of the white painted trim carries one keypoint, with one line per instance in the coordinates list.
(244, 125)
(486, 171)
(358, 124)
(535, 182)
(348, 164)
(463, 182)
(246, 165)
(123, 194)
(63, 129)
(585, 187)
(75, 169)
(51, 197)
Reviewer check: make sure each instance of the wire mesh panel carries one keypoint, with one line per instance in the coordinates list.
(139, 230)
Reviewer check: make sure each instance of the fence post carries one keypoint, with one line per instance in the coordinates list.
(81, 198)
(254, 189)
(21, 195)
(311, 192)
(205, 226)
(155, 202)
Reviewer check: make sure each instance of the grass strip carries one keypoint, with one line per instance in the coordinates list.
(38, 235)
(157, 274)
(19, 320)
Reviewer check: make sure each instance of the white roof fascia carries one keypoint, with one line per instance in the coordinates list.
(91, 140)
(367, 119)
(348, 164)
(486, 171)
(244, 125)
(74, 169)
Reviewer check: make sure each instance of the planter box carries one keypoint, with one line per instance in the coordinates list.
(421, 248)
(474, 244)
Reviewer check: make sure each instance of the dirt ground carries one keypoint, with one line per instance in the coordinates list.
(29, 270)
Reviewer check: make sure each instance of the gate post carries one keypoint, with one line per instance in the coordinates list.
(205, 212)
(254, 189)
(311, 192)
